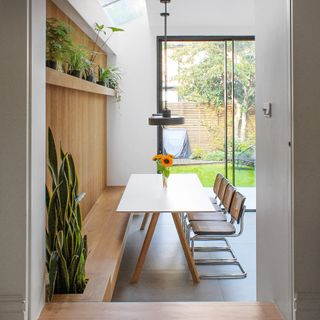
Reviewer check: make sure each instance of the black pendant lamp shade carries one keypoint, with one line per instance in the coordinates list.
(160, 120)
(165, 118)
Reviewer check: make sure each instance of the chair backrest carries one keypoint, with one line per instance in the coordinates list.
(217, 182)
(237, 206)
(228, 196)
(222, 188)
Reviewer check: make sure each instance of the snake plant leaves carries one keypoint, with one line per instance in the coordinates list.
(52, 156)
(47, 198)
(66, 247)
(52, 217)
(62, 154)
(64, 192)
(53, 270)
(62, 261)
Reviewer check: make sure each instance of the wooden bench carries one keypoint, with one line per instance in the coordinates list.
(161, 311)
(107, 232)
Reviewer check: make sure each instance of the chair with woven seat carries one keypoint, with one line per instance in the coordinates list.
(219, 210)
(219, 231)
(216, 215)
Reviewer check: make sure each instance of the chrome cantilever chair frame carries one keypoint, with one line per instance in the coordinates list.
(233, 261)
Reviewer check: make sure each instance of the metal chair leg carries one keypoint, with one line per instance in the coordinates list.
(223, 261)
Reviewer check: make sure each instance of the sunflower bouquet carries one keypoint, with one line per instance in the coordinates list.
(164, 162)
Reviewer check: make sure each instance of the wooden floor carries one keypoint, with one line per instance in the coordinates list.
(161, 311)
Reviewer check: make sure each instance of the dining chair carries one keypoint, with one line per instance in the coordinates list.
(215, 215)
(219, 231)
(215, 187)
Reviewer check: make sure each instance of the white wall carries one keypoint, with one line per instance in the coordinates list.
(306, 68)
(22, 155)
(13, 158)
(37, 164)
(131, 142)
(274, 214)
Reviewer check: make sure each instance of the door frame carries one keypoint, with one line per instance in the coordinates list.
(160, 40)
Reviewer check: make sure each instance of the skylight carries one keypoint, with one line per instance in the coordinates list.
(122, 11)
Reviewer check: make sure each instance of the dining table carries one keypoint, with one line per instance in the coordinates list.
(145, 193)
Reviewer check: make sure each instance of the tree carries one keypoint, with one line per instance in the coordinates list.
(201, 76)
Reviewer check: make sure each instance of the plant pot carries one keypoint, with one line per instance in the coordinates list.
(76, 73)
(51, 64)
(89, 78)
(101, 83)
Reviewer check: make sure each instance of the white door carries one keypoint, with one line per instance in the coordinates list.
(274, 216)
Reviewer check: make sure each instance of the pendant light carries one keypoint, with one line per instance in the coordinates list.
(165, 118)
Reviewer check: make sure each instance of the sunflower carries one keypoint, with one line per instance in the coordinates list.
(170, 156)
(157, 157)
(166, 161)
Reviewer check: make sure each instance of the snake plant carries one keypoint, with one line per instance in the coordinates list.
(66, 247)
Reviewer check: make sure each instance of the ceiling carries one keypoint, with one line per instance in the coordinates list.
(202, 13)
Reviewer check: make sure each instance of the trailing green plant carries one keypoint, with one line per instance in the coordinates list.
(77, 59)
(66, 247)
(110, 77)
(89, 70)
(58, 40)
(101, 28)
(103, 75)
(114, 77)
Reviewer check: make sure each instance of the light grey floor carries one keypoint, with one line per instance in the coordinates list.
(165, 276)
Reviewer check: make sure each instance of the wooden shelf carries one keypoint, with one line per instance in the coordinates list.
(61, 79)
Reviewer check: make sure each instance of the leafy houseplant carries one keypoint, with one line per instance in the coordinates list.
(164, 162)
(110, 77)
(66, 247)
(103, 75)
(101, 28)
(77, 60)
(58, 42)
(114, 77)
(89, 71)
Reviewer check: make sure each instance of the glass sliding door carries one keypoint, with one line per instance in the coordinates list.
(208, 83)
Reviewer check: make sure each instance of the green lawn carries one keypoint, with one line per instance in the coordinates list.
(245, 176)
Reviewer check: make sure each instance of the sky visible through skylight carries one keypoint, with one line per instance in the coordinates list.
(122, 11)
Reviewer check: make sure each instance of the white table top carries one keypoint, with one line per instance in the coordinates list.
(145, 193)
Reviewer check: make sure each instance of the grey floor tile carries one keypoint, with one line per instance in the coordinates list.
(165, 276)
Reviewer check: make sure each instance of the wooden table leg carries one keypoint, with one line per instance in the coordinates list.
(145, 247)
(186, 248)
(144, 221)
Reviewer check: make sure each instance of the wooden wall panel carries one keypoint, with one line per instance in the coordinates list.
(78, 121)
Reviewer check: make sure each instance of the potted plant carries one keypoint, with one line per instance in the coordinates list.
(113, 81)
(77, 60)
(101, 28)
(58, 42)
(103, 75)
(89, 71)
(66, 247)
(114, 77)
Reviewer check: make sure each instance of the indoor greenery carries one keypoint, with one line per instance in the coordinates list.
(77, 60)
(58, 41)
(101, 28)
(103, 75)
(66, 247)
(113, 78)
